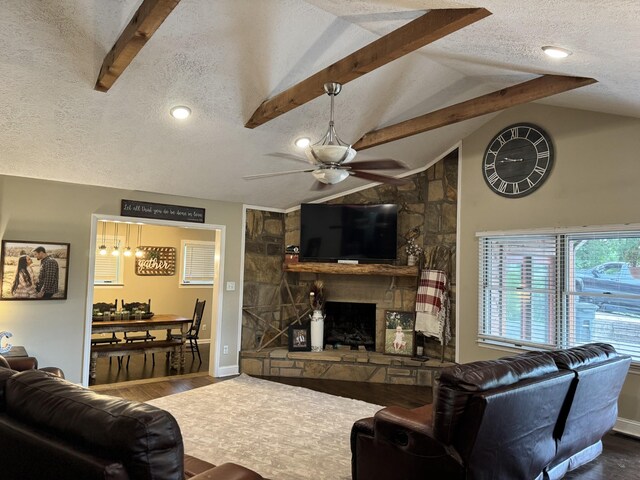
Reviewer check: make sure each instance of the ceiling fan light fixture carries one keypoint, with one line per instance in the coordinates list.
(556, 52)
(330, 154)
(180, 112)
(330, 149)
(330, 176)
(302, 142)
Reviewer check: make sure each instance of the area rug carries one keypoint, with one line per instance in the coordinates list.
(280, 431)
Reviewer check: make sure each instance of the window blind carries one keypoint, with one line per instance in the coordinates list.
(108, 268)
(561, 290)
(518, 289)
(198, 263)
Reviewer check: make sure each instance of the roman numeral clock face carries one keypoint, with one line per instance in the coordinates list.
(518, 160)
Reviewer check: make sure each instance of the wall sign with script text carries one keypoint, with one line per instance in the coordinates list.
(133, 208)
(157, 261)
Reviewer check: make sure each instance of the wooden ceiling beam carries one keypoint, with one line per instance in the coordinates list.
(426, 29)
(142, 26)
(526, 92)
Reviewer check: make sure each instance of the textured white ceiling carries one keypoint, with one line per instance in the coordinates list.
(224, 58)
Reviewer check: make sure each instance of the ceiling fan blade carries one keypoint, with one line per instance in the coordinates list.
(289, 157)
(382, 164)
(378, 178)
(319, 186)
(286, 172)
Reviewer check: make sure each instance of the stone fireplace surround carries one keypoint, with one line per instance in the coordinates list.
(387, 293)
(351, 365)
(427, 203)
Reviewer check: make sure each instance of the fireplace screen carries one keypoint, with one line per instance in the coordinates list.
(352, 324)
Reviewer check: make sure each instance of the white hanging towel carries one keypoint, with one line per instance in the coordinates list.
(432, 305)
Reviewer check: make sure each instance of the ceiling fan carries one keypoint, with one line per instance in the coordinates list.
(332, 159)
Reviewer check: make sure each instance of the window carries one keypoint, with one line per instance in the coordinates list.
(561, 289)
(198, 262)
(109, 268)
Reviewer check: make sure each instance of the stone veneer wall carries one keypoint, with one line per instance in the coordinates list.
(264, 255)
(427, 203)
(341, 365)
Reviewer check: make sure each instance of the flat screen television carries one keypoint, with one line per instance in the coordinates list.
(367, 233)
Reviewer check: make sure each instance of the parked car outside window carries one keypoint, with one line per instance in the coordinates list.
(614, 286)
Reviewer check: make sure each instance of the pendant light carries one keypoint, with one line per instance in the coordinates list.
(115, 251)
(127, 250)
(103, 247)
(139, 252)
(331, 150)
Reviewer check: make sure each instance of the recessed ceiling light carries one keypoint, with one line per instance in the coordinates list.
(556, 52)
(302, 142)
(180, 112)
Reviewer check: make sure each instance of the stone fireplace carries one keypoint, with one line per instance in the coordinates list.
(350, 324)
(428, 206)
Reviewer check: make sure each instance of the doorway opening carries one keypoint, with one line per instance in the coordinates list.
(177, 263)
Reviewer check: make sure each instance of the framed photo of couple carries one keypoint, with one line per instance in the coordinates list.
(34, 270)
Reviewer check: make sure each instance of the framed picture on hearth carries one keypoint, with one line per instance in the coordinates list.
(399, 332)
(299, 338)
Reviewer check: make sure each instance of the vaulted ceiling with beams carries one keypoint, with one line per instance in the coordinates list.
(87, 86)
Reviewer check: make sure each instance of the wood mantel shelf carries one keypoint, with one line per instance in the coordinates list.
(351, 269)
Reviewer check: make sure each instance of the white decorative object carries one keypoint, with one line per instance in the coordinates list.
(317, 331)
(8, 346)
(411, 260)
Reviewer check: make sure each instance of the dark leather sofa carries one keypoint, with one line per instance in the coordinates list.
(54, 429)
(532, 416)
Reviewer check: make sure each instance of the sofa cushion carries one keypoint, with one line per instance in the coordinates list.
(5, 374)
(456, 385)
(146, 438)
(583, 355)
(592, 403)
(490, 374)
(4, 363)
(36, 453)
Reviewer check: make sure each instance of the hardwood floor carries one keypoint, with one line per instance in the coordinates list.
(620, 459)
(143, 368)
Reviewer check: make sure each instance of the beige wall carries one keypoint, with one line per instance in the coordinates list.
(594, 181)
(165, 292)
(59, 212)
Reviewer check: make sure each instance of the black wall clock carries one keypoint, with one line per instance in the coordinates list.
(518, 160)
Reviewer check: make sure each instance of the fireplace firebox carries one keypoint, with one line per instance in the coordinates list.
(352, 324)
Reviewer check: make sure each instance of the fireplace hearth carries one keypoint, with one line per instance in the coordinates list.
(350, 323)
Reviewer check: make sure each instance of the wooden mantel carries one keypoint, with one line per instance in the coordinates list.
(351, 269)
